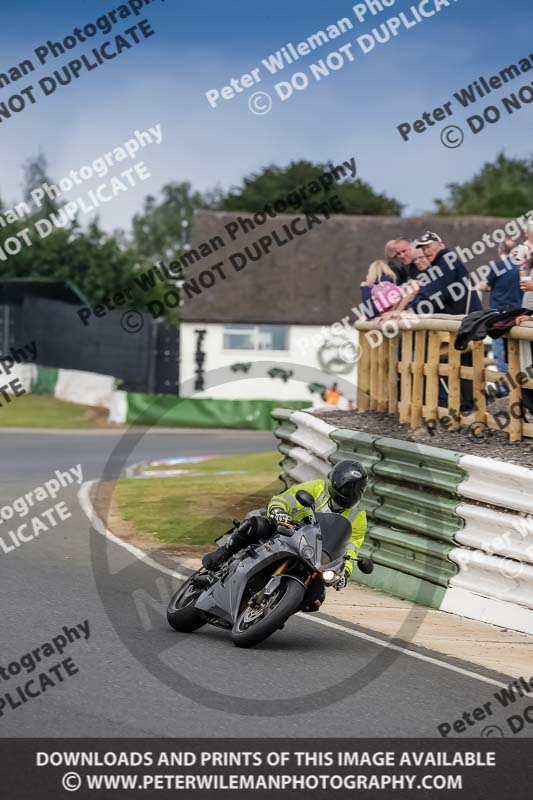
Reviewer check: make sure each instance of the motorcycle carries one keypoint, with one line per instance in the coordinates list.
(254, 592)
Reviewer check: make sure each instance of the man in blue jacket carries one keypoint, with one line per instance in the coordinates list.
(449, 290)
(503, 283)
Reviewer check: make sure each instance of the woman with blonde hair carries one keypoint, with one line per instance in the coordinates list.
(379, 291)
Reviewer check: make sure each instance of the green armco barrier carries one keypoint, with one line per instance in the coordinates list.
(183, 412)
(404, 507)
(400, 584)
(283, 431)
(411, 554)
(419, 463)
(370, 499)
(356, 444)
(411, 503)
(286, 463)
(46, 381)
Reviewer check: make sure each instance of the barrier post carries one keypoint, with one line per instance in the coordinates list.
(405, 376)
(418, 379)
(478, 382)
(363, 373)
(432, 376)
(393, 374)
(515, 394)
(454, 382)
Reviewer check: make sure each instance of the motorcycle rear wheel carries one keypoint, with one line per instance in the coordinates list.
(181, 612)
(254, 626)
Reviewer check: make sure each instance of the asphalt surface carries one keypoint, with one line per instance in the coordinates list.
(137, 677)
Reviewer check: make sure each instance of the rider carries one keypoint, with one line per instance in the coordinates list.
(340, 493)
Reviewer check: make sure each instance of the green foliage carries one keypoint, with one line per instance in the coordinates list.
(161, 231)
(277, 183)
(97, 263)
(92, 260)
(501, 189)
(35, 171)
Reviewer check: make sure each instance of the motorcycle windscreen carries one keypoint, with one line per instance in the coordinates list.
(336, 533)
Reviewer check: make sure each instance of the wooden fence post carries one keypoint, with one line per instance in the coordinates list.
(363, 373)
(432, 376)
(394, 342)
(383, 371)
(374, 377)
(478, 382)
(418, 378)
(454, 383)
(515, 393)
(405, 376)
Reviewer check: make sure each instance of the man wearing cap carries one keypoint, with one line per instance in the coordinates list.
(450, 292)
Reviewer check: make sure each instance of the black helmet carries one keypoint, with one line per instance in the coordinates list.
(346, 483)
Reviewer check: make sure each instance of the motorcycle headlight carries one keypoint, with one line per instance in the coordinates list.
(328, 576)
(307, 550)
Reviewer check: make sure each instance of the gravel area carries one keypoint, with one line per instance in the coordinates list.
(467, 439)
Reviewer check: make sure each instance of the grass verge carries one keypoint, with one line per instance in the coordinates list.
(193, 510)
(41, 411)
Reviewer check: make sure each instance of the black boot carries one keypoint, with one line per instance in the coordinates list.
(238, 540)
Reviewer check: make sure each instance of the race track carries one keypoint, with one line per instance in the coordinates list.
(139, 678)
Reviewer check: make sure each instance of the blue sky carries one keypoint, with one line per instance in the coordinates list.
(201, 44)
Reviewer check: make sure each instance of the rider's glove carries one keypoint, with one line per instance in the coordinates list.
(342, 582)
(280, 517)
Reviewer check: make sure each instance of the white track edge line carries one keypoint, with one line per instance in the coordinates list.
(98, 525)
(405, 651)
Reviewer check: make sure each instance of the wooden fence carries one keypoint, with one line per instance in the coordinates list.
(403, 363)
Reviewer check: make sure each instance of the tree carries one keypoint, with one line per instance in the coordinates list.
(35, 171)
(94, 261)
(501, 189)
(161, 231)
(277, 183)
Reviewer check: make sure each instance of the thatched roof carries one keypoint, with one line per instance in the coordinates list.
(314, 279)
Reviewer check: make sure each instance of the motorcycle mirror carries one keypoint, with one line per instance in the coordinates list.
(365, 565)
(305, 498)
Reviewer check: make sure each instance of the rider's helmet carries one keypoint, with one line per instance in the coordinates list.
(346, 483)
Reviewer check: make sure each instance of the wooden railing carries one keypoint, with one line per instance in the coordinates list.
(401, 374)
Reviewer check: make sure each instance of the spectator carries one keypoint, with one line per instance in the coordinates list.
(450, 292)
(529, 235)
(403, 255)
(379, 291)
(522, 255)
(332, 395)
(420, 262)
(394, 262)
(437, 294)
(503, 283)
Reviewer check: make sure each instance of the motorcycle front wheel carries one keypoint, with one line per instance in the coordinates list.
(181, 612)
(256, 623)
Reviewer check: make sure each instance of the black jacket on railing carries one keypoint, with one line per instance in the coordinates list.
(479, 324)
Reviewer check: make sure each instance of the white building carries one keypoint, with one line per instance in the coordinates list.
(264, 323)
(311, 353)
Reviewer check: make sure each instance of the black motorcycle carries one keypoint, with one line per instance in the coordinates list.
(255, 592)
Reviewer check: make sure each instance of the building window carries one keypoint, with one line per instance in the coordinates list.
(256, 337)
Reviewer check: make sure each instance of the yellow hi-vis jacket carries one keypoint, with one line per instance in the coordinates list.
(356, 514)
